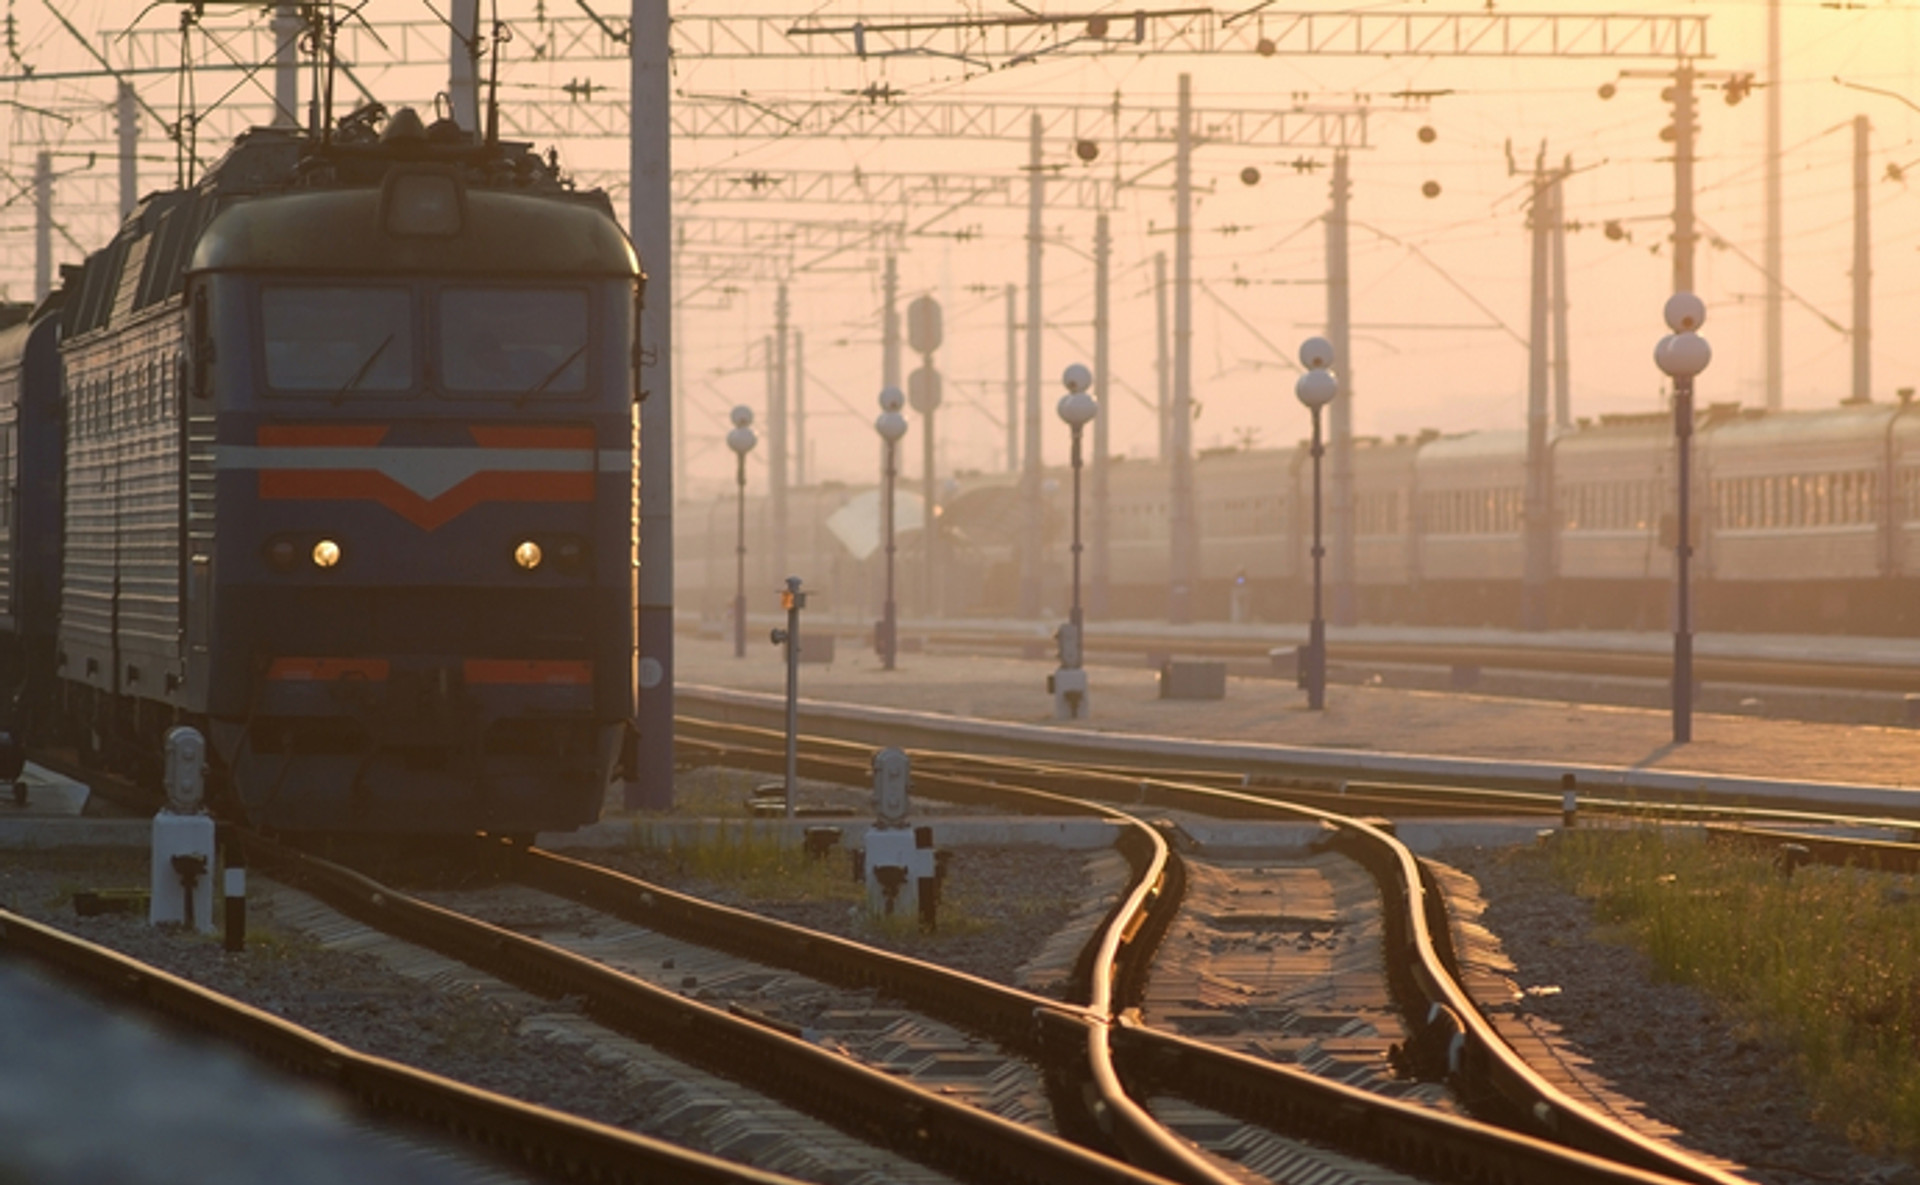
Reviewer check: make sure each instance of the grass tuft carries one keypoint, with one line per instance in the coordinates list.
(754, 862)
(1825, 962)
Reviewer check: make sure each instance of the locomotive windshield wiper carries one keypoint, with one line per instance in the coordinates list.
(553, 374)
(361, 373)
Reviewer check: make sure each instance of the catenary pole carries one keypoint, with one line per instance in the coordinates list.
(1036, 319)
(1013, 379)
(1183, 538)
(1773, 330)
(1102, 326)
(1862, 265)
(650, 219)
(1341, 591)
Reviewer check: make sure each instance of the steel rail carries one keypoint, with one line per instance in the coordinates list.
(1116, 1116)
(1791, 847)
(1632, 791)
(549, 1143)
(871, 1105)
(1557, 1134)
(1455, 1039)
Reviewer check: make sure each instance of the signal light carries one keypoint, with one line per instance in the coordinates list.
(326, 554)
(527, 555)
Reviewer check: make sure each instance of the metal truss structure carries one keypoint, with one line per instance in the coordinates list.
(989, 43)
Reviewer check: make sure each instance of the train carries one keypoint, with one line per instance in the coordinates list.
(1803, 521)
(330, 454)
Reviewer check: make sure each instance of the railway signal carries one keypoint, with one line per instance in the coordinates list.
(1682, 355)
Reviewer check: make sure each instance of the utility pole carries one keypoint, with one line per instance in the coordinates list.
(463, 60)
(1862, 267)
(650, 218)
(1773, 329)
(1535, 565)
(679, 388)
(1102, 253)
(1683, 130)
(779, 436)
(127, 112)
(890, 325)
(1030, 570)
(42, 225)
(1013, 379)
(799, 410)
(1162, 363)
(1340, 334)
(1562, 377)
(1183, 532)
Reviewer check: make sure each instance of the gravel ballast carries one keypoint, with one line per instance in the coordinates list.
(1663, 1044)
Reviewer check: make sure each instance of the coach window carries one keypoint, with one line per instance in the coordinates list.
(519, 342)
(337, 340)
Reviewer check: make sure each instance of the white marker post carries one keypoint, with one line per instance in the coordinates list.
(183, 839)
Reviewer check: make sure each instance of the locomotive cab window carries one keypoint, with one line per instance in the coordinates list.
(514, 342)
(339, 341)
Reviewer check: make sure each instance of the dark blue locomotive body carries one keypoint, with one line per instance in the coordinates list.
(349, 483)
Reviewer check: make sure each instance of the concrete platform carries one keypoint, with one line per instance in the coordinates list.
(1377, 722)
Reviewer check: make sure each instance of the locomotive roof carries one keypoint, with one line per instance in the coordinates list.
(340, 231)
(320, 183)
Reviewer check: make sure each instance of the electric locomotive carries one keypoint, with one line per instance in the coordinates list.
(350, 483)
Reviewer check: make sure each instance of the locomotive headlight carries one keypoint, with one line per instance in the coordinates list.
(282, 554)
(326, 554)
(571, 555)
(527, 555)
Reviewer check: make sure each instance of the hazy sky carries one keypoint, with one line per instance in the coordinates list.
(1434, 279)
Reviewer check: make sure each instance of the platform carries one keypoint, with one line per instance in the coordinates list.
(1365, 719)
(92, 1094)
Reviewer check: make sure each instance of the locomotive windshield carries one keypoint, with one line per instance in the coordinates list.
(338, 340)
(514, 341)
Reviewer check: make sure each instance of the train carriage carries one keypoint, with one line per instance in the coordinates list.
(1800, 509)
(1385, 548)
(1472, 496)
(1613, 488)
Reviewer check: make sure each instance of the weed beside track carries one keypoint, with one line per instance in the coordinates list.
(1825, 961)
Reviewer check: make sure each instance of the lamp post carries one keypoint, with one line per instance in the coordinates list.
(1316, 388)
(891, 426)
(741, 440)
(1077, 408)
(1681, 355)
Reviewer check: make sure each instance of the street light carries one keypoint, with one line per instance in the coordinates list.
(891, 426)
(1681, 355)
(1077, 408)
(741, 440)
(1316, 388)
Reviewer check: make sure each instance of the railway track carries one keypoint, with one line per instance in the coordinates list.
(545, 1143)
(1447, 1041)
(1102, 1068)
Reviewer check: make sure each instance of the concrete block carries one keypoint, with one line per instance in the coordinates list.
(1193, 680)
